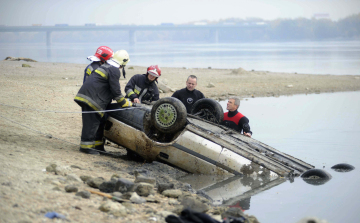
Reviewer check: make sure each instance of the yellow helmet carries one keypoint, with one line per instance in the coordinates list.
(120, 58)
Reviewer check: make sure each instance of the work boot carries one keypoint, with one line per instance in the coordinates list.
(99, 145)
(89, 151)
(100, 148)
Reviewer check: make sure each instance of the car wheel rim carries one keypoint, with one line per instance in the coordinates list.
(165, 115)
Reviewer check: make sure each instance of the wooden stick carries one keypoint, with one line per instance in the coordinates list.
(100, 193)
(105, 195)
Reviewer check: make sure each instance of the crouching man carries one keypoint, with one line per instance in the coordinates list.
(234, 119)
(142, 87)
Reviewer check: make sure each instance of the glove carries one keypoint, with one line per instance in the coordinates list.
(127, 103)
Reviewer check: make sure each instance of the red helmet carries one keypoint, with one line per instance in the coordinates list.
(103, 53)
(154, 70)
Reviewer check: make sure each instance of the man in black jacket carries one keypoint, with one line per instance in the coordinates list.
(234, 119)
(189, 95)
(142, 87)
(100, 88)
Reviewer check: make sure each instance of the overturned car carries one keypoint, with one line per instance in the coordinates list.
(196, 142)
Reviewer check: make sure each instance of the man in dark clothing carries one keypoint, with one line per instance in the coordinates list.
(100, 88)
(189, 95)
(142, 87)
(102, 54)
(234, 119)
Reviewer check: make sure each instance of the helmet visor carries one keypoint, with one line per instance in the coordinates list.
(93, 58)
(112, 62)
(152, 73)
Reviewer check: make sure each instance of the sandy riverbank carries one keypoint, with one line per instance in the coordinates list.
(27, 192)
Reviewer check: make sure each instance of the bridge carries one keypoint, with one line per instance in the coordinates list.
(213, 29)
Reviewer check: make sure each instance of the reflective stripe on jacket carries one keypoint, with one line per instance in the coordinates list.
(90, 68)
(100, 88)
(140, 87)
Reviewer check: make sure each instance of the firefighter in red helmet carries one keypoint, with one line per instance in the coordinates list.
(102, 54)
(142, 87)
(100, 88)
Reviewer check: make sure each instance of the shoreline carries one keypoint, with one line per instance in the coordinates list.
(225, 82)
(25, 154)
(246, 84)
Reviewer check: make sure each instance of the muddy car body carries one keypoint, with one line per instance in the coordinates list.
(197, 145)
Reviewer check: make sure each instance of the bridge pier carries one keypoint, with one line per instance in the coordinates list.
(214, 35)
(48, 38)
(132, 37)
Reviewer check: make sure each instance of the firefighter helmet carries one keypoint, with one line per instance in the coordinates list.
(120, 58)
(154, 70)
(103, 53)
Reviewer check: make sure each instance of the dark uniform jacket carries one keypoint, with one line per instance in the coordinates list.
(90, 68)
(140, 87)
(100, 88)
(188, 98)
(237, 121)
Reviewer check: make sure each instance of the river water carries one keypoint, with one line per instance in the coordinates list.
(320, 129)
(322, 57)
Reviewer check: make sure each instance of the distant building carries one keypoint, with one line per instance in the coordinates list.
(229, 23)
(260, 23)
(64, 24)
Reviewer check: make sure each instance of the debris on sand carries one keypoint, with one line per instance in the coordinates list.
(239, 71)
(19, 58)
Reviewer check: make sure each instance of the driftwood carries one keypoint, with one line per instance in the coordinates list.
(19, 58)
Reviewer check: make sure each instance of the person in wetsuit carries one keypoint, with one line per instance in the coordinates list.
(189, 95)
(234, 119)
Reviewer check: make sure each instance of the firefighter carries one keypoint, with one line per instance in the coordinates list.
(234, 119)
(142, 87)
(102, 54)
(100, 88)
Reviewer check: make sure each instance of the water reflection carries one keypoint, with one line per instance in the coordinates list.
(48, 53)
(343, 167)
(316, 182)
(233, 191)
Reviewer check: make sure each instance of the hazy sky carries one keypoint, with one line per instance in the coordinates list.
(141, 12)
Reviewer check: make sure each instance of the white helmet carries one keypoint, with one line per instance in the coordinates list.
(120, 58)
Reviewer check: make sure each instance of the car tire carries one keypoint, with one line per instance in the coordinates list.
(168, 115)
(316, 173)
(316, 177)
(208, 109)
(316, 182)
(343, 167)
